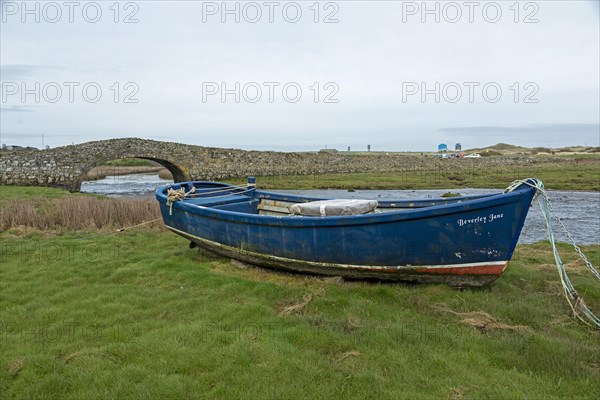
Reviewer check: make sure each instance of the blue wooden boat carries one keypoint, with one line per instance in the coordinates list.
(462, 241)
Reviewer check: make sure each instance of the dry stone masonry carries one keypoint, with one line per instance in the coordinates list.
(66, 166)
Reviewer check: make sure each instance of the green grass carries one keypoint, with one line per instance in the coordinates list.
(580, 174)
(140, 315)
(33, 193)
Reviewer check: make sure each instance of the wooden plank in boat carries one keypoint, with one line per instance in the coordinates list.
(283, 210)
(272, 213)
(276, 203)
(274, 207)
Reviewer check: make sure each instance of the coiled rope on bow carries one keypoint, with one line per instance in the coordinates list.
(177, 195)
(580, 309)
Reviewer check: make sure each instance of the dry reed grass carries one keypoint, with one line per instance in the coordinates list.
(480, 320)
(297, 308)
(15, 366)
(456, 393)
(78, 214)
(351, 353)
(165, 174)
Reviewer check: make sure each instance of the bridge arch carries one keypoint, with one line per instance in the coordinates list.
(180, 173)
(66, 166)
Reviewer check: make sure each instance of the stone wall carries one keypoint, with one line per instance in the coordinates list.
(66, 166)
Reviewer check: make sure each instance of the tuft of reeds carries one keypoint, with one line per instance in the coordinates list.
(480, 320)
(165, 174)
(79, 213)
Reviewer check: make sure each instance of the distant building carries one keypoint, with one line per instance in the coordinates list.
(329, 151)
(442, 151)
(12, 147)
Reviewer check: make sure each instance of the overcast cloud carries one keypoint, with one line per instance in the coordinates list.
(534, 82)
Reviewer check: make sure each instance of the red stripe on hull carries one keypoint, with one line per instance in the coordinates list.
(478, 270)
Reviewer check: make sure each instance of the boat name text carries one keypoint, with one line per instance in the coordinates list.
(479, 220)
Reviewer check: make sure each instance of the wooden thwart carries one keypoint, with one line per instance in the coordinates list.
(274, 207)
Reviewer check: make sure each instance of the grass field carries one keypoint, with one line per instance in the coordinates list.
(40, 194)
(140, 315)
(91, 315)
(568, 174)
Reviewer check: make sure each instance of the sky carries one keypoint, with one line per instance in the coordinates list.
(301, 76)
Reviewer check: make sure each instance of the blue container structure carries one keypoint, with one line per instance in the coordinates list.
(462, 241)
(442, 151)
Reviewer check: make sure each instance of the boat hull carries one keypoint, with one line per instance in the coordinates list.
(457, 275)
(462, 243)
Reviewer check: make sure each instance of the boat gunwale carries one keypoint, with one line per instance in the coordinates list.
(456, 207)
(383, 203)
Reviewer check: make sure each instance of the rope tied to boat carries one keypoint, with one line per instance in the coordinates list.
(177, 195)
(226, 191)
(580, 309)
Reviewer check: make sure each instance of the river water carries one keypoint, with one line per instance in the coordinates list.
(135, 185)
(579, 211)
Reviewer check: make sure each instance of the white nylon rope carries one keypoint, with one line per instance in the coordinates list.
(181, 194)
(575, 301)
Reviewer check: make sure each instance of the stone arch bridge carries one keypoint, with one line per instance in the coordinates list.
(67, 166)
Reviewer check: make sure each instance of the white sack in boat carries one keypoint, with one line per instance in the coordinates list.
(334, 207)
